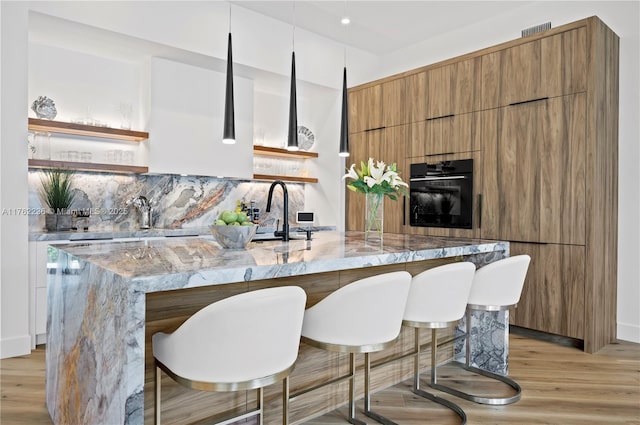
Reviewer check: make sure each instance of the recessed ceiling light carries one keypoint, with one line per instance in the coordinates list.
(345, 20)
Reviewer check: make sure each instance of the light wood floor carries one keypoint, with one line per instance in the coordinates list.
(561, 386)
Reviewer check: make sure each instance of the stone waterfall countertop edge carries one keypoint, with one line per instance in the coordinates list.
(174, 263)
(104, 234)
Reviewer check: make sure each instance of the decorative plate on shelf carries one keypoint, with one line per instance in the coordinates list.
(305, 138)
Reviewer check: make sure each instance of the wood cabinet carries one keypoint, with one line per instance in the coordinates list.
(546, 67)
(447, 135)
(377, 106)
(539, 115)
(451, 89)
(365, 109)
(388, 145)
(534, 173)
(553, 298)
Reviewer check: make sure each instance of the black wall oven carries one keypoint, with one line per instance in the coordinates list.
(441, 194)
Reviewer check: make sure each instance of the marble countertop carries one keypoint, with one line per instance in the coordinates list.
(193, 262)
(105, 234)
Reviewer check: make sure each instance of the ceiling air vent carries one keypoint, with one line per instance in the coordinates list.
(538, 28)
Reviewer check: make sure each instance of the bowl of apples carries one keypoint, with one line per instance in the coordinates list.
(233, 230)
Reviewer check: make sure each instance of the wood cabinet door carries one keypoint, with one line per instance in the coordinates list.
(393, 148)
(451, 89)
(443, 136)
(552, 298)
(548, 67)
(416, 99)
(511, 186)
(361, 146)
(394, 110)
(365, 109)
(562, 170)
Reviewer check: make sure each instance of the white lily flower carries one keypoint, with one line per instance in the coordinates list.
(352, 173)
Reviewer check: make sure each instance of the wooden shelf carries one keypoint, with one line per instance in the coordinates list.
(285, 178)
(282, 153)
(88, 166)
(60, 127)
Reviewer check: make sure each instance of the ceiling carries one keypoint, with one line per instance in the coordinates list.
(381, 27)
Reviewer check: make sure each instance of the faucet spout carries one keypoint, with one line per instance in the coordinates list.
(285, 209)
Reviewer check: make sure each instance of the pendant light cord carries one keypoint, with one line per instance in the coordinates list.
(293, 35)
(229, 17)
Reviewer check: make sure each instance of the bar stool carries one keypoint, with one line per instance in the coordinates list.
(496, 287)
(364, 316)
(215, 349)
(437, 300)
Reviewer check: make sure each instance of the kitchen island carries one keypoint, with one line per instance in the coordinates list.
(102, 312)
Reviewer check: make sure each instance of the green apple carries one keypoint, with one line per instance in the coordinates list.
(229, 216)
(242, 217)
(235, 223)
(219, 223)
(247, 223)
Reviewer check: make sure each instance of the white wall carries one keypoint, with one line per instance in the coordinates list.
(14, 331)
(624, 19)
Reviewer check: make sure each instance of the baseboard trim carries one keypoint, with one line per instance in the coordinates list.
(16, 346)
(628, 332)
(543, 336)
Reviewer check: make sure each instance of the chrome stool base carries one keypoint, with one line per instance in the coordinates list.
(494, 401)
(367, 395)
(444, 402)
(416, 379)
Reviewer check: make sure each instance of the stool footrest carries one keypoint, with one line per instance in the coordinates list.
(444, 402)
(495, 401)
(383, 420)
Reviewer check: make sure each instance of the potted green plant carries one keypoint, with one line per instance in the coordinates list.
(57, 194)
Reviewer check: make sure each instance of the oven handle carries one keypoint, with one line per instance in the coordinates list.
(404, 210)
(426, 179)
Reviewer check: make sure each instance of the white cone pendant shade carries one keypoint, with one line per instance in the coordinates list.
(229, 132)
(292, 138)
(344, 125)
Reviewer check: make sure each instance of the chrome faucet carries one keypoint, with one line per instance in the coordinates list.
(144, 208)
(285, 212)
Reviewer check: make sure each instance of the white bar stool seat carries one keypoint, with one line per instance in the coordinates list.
(496, 287)
(362, 317)
(437, 300)
(243, 342)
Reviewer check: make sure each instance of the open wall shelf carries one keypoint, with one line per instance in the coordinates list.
(282, 153)
(60, 127)
(285, 178)
(88, 166)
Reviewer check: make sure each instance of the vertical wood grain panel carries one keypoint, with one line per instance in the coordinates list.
(517, 169)
(490, 225)
(365, 109)
(491, 75)
(393, 148)
(416, 99)
(394, 111)
(521, 74)
(562, 171)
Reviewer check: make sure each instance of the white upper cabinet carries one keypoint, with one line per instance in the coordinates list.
(186, 118)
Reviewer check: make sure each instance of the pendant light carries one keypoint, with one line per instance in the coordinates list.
(292, 136)
(229, 131)
(344, 124)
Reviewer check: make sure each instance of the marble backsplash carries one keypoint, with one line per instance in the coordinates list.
(178, 201)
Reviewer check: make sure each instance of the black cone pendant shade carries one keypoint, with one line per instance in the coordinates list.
(292, 138)
(344, 125)
(229, 132)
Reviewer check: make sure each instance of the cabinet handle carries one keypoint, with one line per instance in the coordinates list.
(374, 129)
(439, 154)
(529, 101)
(404, 210)
(529, 242)
(479, 210)
(439, 118)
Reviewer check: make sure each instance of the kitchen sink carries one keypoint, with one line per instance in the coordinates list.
(264, 237)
